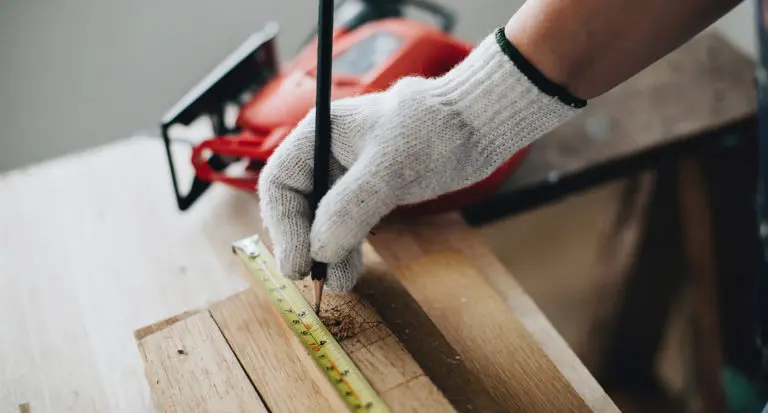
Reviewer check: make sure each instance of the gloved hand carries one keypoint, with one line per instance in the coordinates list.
(417, 140)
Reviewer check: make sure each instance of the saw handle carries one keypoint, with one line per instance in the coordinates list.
(226, 149)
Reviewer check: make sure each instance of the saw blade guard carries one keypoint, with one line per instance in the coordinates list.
(227, 86)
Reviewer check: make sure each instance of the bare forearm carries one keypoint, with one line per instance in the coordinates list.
(590, 46)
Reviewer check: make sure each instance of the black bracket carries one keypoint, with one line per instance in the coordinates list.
(249, 67)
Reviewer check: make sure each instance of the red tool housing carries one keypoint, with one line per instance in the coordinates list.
(368, 56)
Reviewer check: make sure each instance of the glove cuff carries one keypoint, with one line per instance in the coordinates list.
(503, 96)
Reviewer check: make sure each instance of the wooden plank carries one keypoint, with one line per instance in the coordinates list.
(373, 322)
(354, 323)
(450, 272)
(377, 308)
(190, 367)
(399, 240)
(282, 372)
(422, 338)
(498, 276)
(380, 301)
(548, 376)
(161, 325)
(400, 399)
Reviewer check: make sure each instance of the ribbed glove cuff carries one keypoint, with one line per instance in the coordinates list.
(503, 96)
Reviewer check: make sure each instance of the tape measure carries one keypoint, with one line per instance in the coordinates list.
(328, 354)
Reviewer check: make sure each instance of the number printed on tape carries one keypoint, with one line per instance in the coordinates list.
(298, 315)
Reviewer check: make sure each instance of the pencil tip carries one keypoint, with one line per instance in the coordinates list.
(318, 294)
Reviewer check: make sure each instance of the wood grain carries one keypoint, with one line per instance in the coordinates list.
(422, 338)
(281, 372)
(185, 261)
(450, 232)
(117, 257)
(359, 314)
(512, 386)
(286, 376)
(360, 330)
(375, 319)
(161, 325)
(400, 398)
(379, 355)
(192, 369)
(446, 268)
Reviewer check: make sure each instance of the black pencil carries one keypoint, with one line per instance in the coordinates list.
(321, 182)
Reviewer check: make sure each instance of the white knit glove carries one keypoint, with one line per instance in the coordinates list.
(419, 139)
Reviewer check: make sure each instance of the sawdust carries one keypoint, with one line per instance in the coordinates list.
(344, 322)
(340, 323)
(341, 313)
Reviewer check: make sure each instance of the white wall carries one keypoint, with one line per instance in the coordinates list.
(739, 27)
(77, 73)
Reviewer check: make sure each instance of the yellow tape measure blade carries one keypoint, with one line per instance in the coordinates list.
(334, 363)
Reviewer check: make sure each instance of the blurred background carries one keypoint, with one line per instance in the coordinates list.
(79, 73)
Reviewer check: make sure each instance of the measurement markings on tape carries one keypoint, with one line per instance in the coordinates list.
(328, 354)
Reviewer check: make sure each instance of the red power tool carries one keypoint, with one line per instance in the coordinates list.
(373, 46)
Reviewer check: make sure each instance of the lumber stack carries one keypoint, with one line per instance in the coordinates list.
(435, 324)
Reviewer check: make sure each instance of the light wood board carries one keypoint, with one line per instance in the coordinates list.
(193, 356)
(272, 365)
(486, 315)
(121, 258)
(458, 320)
(280, 373)
(288, 380)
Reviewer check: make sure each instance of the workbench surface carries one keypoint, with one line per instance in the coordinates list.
(94, 249)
